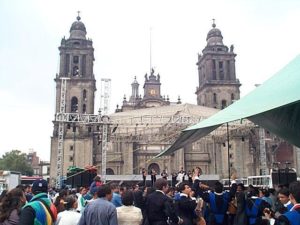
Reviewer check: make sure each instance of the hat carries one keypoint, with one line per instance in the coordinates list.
(39, 186)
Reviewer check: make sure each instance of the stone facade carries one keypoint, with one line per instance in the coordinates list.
(144, 133)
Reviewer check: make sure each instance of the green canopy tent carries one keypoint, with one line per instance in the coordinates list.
(274, 105)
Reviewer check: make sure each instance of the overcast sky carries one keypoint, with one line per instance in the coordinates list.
(265, 34)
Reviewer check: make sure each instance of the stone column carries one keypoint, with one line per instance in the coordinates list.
(232, 69)
(62, 63)
(70, 65)
(128, 159)
(179, 162)
(297, 161)
(225, 69)
(217, 70)
(238, 158)
(209, 69)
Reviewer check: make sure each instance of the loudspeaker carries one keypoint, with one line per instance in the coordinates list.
(283, 177)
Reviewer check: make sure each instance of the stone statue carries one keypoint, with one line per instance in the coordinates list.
(152, 71)
(199, 56)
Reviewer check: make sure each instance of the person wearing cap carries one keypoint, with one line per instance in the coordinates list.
(39, 210)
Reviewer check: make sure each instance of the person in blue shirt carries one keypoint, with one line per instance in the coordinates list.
(255, 207)
(116, 198)
(284, 199)
(100, 211)
(218, 201)
(265, 195)
(292, 217)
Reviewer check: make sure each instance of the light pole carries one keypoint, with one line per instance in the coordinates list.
(228, 154)
(74, 142)
(262, 149)
(215, 153)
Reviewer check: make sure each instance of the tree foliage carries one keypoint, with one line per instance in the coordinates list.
(15, 160)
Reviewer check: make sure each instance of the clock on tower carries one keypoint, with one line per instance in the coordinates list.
(152, 92)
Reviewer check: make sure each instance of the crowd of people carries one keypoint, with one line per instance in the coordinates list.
(188, 202)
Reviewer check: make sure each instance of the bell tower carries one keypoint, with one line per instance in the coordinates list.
(218, 85)
(152, 96)
(76, 65)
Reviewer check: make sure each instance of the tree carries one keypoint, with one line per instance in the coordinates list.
(15, 161)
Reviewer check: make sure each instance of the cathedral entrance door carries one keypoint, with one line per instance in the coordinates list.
(154, 166)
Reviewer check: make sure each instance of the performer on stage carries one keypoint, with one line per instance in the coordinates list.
(144, 174)
(164, 174)
(153, 177)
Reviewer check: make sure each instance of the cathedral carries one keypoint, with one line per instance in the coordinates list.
(147, 124)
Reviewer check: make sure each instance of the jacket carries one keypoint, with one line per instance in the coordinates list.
(36, 212)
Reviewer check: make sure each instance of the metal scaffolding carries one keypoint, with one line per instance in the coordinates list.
(60, 149)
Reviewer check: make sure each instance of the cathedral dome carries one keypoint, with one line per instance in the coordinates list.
(78, 30)
(214, 36)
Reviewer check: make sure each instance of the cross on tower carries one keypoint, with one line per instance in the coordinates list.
(213, 25)
(78, 17)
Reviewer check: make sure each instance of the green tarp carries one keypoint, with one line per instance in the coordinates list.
(274, 105)
(74, 169)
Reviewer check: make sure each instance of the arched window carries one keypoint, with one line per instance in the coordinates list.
(224, 104)
(154, 166)
(76, 44)
(221, 74)
(215, 98)
(84, 95)
(110, 171)
(84, 108)
(214, 75)
(214, 70)
(74, 105)
(75, 71)
(221, 71)
(76, 59)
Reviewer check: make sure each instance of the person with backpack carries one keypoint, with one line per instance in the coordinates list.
(39, 210)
